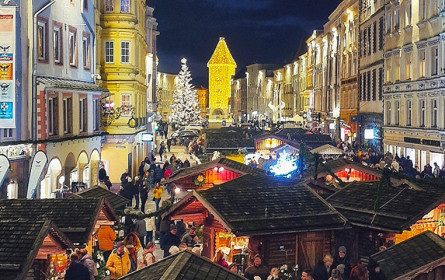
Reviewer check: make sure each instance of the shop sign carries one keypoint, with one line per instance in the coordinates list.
(147, 137)
(38, 164)
(7, 67)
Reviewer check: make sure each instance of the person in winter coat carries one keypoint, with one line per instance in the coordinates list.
(136, 184)
(162, 149)
(106, 236)
(186, 163)
(102, 174)
(323, 269)
(257, 269)
(336, 275)
(118, 263)
(343, 259)
(219, 259)
(157, 193)
(169, 144)
(190, 238)
(127, 191)
(169, 240)
(133, 245)
(168, 171)
(87, 260)
(77, 270)
(143, 193)
(124, 176)
(141, 169)
(158, 174)
(140, 228)
(148, 257)
(150, 227)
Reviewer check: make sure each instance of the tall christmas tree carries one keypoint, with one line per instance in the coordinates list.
(185, 107)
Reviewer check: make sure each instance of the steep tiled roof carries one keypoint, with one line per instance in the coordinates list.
(225, 162)
(74, 217)
(339, 165)
(256, 205)
(20, 241)
(183, 266)
(301, 136)
(405, 260)
(115, 200)
(400, 206)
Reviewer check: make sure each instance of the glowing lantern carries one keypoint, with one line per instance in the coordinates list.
(286, 165)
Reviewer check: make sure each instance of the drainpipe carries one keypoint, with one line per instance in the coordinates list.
(34, 71)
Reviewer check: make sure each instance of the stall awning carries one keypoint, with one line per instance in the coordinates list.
(62, 83)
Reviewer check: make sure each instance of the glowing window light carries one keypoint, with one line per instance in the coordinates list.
(285, 166)
(221, 169)
(215, 169)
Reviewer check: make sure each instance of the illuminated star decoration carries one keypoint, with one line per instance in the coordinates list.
(285, 166)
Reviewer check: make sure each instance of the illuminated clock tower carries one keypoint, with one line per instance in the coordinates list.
(221, 69)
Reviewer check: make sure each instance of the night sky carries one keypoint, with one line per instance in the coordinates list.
(256, 31)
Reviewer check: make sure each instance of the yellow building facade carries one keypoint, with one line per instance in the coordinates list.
(165, 86)
(221, 69)
(121, 63)
(203, 97)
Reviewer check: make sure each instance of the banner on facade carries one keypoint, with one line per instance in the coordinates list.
(7, 66)
(39, 162)
(4, 168)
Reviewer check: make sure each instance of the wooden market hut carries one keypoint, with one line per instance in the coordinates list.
(283, 220)
(288, 147)
(78, 219)
(327, 150)
(212, 173)
(29, 247)
(116, 201)
(419, 258)
(184, 265)
(400, 207)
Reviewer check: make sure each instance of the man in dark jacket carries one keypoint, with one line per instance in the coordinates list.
(257, 269)
(170, 239)
(77, 270)
(124, 176)
(323, 268)
(158, 174)
(102, 174)
(342, 259)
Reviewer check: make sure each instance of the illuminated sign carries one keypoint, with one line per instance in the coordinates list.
(286, 165)
(369, 133)
(7, 67)
(147, 137)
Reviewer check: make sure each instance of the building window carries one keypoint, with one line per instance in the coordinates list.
(409, 110)
(434, 113)
(388, 70)
(85, 5)
(57, 44)
(396, 19)
(408, 66)
(109, 6)
(96, 114)
(381, 34)
(421, 63)
(86, 52)
(388, 113)
(374, 83)
(365, 41)
(368, 86)
(397, 112)
(42, 41)
(434, 60)
(422, 12)
(374, 37)
(408, 14)
(125, 52)
(125, 6)
(388, 22)
(380, 83)
(53, 115)
(397, 68)
(125, 103)
(109, 51)
(422, 113)
(83, 107)
(7, 133)
(67, 115)
(369, 40)
(73, 46)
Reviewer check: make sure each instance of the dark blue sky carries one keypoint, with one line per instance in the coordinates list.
(256, 31)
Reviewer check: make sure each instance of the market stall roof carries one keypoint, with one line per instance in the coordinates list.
(260, 204)
(115, 200)
(290, 145)
(62, 83)
(340, 165)
(400, 205)
(301, 135)
(21, 241)
(74, 217)
(184, 265)
(327, 150)
(222, 161)
(412, 257)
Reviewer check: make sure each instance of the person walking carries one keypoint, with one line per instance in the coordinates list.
(157, 193)
(102, 174)
(143, 193)
(165, 130)
(169, 240)
(106, 236)
(158, 175)
(87, 260)
(133, 245)
(136, 187)
(124, 176)
(161, 149)
(150, 228)
(119, 262)
(169, 144)
(139, 227)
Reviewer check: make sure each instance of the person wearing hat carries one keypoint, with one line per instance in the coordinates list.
(336, 275)
(257, 269)
(342, 262)
(119, 261)
(170, 239)
(190, 238)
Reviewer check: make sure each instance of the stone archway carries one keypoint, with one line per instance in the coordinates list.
(50, 183)
(70, 164)
(82, 165)
(94, 167)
